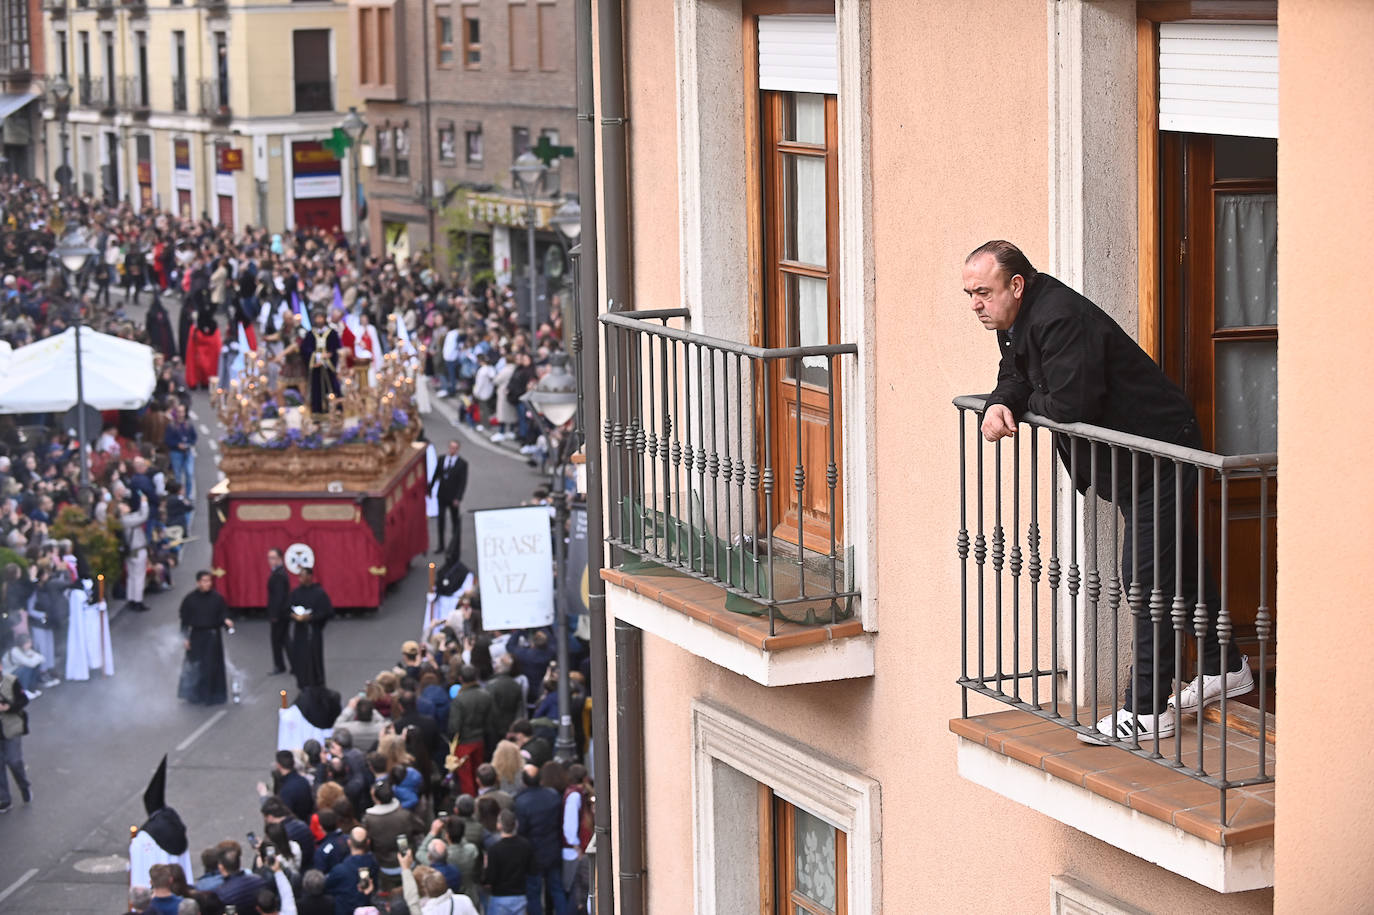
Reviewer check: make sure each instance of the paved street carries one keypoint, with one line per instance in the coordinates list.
(94, 745)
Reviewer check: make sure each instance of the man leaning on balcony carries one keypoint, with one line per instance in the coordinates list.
(1068, 361)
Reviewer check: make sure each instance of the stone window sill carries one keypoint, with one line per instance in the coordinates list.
(692, 615)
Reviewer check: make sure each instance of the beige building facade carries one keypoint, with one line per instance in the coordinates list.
(820, 553)
(205, 108)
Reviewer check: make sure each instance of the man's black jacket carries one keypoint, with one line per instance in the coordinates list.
(1067, 360)
(453, 481)
(278, 586)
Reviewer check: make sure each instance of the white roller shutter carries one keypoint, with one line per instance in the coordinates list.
(1219, 78)
(797, 54)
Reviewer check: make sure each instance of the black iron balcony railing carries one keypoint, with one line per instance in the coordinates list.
(316, 95)
(133, 94)
(711, 473)
(136, 8)
(105, 7)
(56, 8)
(1148, 544)
(91, 92)
(214, 98)
(178, 93)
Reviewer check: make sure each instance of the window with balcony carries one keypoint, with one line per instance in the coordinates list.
(731, 481)
(314, 85)
(1102, 570)
(62, 51)
(179, 100)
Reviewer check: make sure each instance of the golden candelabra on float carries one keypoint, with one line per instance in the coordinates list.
(272, 441)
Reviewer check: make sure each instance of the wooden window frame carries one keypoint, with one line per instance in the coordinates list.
(1150, 13)
(441, 14)
(777, 861)
(539, 52)
(511, 44)
(470, 46)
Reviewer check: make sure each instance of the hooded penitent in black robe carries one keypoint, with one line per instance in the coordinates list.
(160, 330)
(307, 638)
(203, 680)
(163, 825)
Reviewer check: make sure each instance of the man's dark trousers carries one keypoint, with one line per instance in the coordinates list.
(279, 616)
(448, 511)
(1139, 532)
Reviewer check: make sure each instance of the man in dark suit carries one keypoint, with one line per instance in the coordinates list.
(451, 478)
(1067, 360)
(278, 615)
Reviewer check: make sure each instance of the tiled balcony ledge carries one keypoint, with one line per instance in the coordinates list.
(691, 614)
(1152, 811)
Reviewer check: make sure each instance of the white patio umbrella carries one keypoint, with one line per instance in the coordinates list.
(41, 377)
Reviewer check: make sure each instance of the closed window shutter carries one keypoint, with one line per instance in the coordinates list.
(797, 54)
(1219, 78)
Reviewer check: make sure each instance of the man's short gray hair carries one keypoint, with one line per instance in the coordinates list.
(188, 907)
(140, 897)
(343, 737)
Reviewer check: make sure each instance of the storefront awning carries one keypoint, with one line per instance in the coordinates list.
(9, 104)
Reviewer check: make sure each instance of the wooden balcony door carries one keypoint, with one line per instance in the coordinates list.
(800, 180)
(1220, 332)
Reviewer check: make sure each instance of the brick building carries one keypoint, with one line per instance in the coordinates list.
(455, 91)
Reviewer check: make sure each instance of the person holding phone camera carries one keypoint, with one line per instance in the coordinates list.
(352, 881)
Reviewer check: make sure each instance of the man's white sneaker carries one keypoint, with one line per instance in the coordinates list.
(1236, 683)
(33, 693)
(1123, 726)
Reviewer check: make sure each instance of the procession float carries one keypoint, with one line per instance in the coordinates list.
(328, 466)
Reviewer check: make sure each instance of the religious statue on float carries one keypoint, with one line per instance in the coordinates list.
(320, 349)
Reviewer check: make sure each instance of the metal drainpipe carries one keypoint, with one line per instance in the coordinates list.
(590, 330)
(590, 382)
(426, 197)
(619, 297)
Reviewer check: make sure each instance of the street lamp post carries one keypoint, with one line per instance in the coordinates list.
(62, 96)
(355, 127)
(528, 173)
(568, 221)
(555, 399)
(74, 254)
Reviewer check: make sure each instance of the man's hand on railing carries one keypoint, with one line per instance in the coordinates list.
(998, 423)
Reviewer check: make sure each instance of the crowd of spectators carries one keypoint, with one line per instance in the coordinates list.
(130, 522)
(400, 810)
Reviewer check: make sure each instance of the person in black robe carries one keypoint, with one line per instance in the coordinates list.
(204, 617)
(160, 330)
(311, 609)
(164, 825)
(185, 321)
(320, 350)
